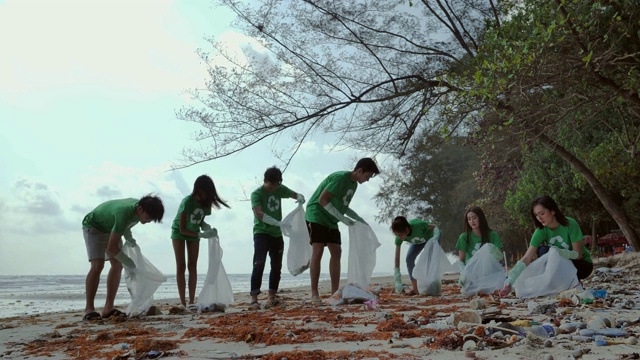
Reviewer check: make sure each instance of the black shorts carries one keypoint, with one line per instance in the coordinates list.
(322, 234)
(584, 268)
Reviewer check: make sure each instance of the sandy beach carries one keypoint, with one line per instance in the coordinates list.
(400, 327)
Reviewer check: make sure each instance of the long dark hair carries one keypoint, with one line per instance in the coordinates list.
(400, 223)
(484, 224)
(548, 203)
(205, 184)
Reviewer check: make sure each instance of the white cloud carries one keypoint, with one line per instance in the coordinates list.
(240, 50)
(127, 45)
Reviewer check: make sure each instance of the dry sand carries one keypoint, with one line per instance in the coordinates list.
(298, 329)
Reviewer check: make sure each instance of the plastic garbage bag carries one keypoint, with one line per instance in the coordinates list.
(431, 265)
(142, 282)
(216, 292)
(351, 293)
(549, 275)
(483, 273)
(299, 253)
(363, 243)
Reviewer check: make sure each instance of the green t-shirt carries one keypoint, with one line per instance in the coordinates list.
(271, 205)
(115, 216)
(562, 237)
(472, 244)
(420, 233)
(340, 185)
(195, 216)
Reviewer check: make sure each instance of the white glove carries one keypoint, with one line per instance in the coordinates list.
(125, 260)
(208, 234)
(333, 211)
(300, 199)
(204, 226)
(568, 254)
(131, 242)
(128, 237)
(436, 235)
(515, 273)
(352, 214)
(463, 274)
(285, 227)
(398, 280)
(493, 250)
(270, 220)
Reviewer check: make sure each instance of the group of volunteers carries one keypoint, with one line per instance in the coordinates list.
(553, 229)
(106, 225)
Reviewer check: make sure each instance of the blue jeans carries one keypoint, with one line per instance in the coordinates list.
(412, 254)
(264, 244)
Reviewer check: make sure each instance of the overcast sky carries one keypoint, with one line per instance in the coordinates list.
(88, 91)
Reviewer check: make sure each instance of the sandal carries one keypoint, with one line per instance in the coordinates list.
(192, 307)
(272, 302)
(91, 316)
(255, 305)
(114, 312)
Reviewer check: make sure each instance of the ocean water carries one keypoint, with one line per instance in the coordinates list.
(37, 294)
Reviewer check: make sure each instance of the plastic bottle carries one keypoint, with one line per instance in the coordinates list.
(585, 297)
(600, 323)
(478, 304)
(600, 294)
(121, 346)
(544, 330)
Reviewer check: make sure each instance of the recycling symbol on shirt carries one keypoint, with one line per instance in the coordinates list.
(197, 216)
(272, 203)
(418, 240)
(559, 239)
(346, 199)
(475, 249)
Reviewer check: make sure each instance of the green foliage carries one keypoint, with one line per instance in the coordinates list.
(433, 182)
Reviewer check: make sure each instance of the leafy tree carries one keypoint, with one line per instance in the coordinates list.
(372, 72)
(379, 72)
(553, 60)
(434, 181)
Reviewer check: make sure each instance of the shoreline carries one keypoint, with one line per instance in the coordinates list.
(398, 327)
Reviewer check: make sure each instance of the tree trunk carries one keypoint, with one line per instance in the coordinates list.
(612, 208)
(594, 238)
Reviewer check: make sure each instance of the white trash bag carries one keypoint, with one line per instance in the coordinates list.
(299, 253)
(430, 267)
(216, 293)
(363, 243)
(483, 273)
(351, 294)
(142, 282)
(549, 275)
